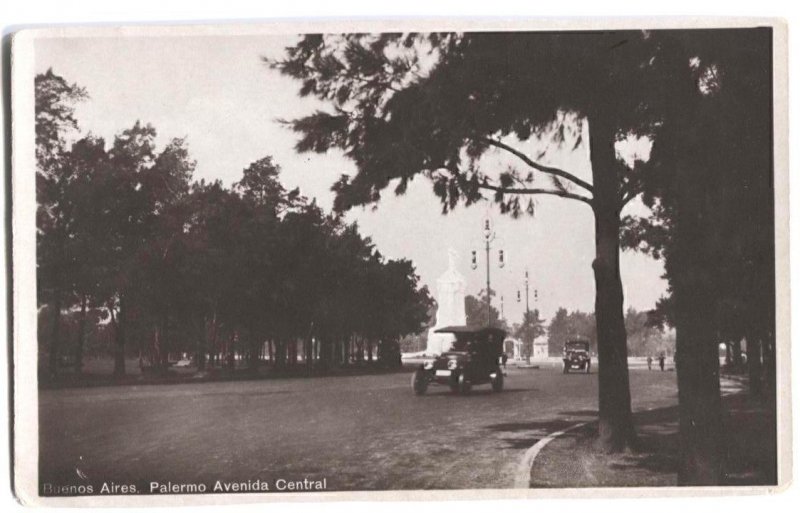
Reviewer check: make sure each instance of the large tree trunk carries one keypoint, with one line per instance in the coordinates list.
(81, 336)
(693, 264)
(616, 430)
(698, 390)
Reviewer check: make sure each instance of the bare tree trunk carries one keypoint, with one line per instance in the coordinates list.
(769, 365)
(119, 337)
(215, 343)
(360, 350)
(164, 339)
(754, 367)
(280, 353)
(309, 353)
(81, 335)
(254, 353)
(616, 429)
(293, 351)
(55, 335)
(232, 351)
(736, 347)
(200, 352)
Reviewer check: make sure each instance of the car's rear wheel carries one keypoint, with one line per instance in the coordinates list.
(464, 386)
(419, 382)
(497, 381)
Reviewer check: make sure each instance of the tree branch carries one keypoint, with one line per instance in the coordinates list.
(629, 191)
(628, 197)
(544, 169)
(562, 194)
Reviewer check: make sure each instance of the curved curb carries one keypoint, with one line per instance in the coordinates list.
(522, 476)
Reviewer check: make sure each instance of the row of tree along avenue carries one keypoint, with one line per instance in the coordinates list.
(402, 105)
(646, 334)
(133, 254)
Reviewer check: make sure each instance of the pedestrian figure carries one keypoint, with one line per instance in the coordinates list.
(505, 359)
(649, 362)
(661, 360)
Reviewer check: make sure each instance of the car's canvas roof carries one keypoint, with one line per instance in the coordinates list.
(467, 330)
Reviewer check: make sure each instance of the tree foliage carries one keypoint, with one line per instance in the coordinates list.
(163, 265)
(405, 104)
(480, 314)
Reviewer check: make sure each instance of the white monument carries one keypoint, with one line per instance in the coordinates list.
(540, 349)
(450, 289)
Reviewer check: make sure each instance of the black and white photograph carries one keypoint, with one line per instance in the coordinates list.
(302, 260)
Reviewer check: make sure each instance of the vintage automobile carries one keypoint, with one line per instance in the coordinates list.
(474, 358)
(576, 356)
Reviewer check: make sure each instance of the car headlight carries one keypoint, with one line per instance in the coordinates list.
(428, 365)
(452, 364)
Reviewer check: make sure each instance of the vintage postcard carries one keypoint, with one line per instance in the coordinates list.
(385, 260)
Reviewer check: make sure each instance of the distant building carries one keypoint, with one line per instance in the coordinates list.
(540, 351)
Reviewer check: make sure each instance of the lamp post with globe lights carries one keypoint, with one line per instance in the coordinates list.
(488, 237)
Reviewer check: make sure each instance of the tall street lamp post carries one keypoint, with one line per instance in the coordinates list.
(527, 313)
(488, 237)
(535, 295)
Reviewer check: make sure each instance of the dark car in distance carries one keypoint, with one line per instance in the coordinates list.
(474, 358)
(576, 356)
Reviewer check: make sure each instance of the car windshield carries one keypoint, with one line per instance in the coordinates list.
(459, 344)
(475, 342)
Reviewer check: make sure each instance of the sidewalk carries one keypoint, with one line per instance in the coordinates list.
(571, 461)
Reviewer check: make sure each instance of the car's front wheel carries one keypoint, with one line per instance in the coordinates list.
(453, 384)
(419, 382)
(497, 381)
(464, 386)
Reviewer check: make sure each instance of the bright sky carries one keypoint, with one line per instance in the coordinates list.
(216, 92)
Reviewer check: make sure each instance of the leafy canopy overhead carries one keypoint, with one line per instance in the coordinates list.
(405, 104)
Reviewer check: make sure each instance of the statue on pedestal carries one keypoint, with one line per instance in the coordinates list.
(450, 289)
